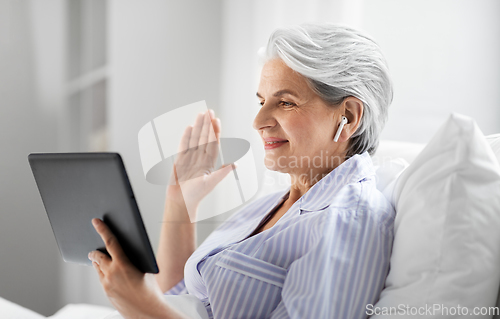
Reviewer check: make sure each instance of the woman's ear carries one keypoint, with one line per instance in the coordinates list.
(353, 110)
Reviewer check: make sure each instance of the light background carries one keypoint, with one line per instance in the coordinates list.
(157, 55)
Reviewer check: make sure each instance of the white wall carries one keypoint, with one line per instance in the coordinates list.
(29, 259)
(444, 57)
(163, 55)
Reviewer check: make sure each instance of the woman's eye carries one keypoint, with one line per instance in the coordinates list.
(261, 103)
(286, 104)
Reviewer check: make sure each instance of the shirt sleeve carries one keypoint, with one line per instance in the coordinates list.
(342, 274)
(179, 289)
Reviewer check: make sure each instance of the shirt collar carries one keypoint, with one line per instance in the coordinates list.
(319, 196)
(353, 170)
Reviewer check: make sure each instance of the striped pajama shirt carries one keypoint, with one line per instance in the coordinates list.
(326, 257)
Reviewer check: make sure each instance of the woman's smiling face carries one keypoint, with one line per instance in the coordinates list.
(297, 127)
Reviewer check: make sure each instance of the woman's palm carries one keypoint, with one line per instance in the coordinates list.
(194, 168)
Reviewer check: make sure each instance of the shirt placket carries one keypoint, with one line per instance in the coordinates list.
(248, 231)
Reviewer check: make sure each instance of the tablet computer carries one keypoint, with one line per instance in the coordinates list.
(77, 187)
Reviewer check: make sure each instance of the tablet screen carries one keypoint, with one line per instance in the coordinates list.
(77, 187)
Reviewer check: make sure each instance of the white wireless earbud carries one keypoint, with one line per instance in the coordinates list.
(341, 126)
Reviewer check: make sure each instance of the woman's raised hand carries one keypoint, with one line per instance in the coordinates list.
(194, 173)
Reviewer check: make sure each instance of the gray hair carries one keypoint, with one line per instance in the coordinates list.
(339, 61)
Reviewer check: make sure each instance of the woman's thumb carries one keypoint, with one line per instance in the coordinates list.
(221, 173)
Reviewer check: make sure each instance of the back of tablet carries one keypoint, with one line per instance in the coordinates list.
(76, 187)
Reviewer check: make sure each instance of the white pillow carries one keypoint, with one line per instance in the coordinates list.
(494, 141)
(446, 249)
(388, 150)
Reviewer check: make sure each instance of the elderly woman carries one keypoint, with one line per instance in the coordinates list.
(321, 248)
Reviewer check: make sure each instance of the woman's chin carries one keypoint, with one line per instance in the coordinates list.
(273, 166)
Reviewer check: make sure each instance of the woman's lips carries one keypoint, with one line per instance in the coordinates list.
(273, 142)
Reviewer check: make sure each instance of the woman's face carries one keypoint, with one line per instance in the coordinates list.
(296, 126)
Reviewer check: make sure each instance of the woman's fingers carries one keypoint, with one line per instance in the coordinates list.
(217, 128)
(184, 144)
(112, 245)
(99, 258)
(213, 146)
(205, 131)
(198, 149)
(97, 268)
(196, 132)
(212, 151)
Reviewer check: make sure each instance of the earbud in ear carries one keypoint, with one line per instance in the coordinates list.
(339, 130)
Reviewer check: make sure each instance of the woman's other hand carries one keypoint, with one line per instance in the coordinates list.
(194, 168)
(133, 293)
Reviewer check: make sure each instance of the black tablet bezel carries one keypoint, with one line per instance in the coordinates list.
(76, 187)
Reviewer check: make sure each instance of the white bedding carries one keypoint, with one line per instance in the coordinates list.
(189, 305)
(83, 311)
(10, 310)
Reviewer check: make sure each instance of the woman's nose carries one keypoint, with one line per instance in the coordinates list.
(264, 119)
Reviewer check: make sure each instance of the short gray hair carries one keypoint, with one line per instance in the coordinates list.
(339, 61)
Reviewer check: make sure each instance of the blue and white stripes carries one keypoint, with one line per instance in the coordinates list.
(327, 257)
